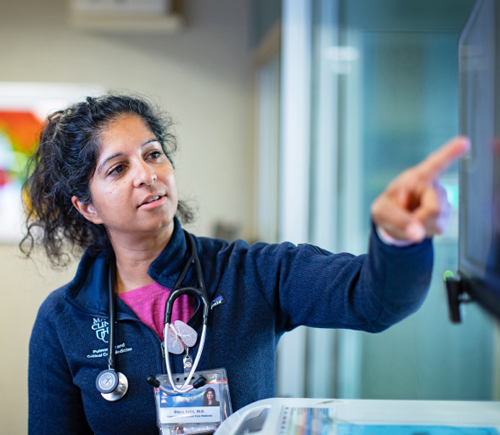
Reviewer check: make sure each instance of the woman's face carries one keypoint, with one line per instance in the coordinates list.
(210, 395)
(134, 190)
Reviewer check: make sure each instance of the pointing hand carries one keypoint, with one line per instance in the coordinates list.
(414, 205)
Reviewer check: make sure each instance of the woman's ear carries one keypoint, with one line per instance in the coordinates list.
(87, 210)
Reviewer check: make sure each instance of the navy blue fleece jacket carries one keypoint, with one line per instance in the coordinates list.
(268, 290)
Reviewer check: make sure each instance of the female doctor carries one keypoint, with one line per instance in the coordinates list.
(102, 181)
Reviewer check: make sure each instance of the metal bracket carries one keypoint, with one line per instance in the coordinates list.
(457, 295)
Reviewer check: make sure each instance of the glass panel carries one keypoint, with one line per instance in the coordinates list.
(267, 135)
(412, 84)
(397, 74)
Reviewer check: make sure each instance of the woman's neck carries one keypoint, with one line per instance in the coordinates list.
(133, 259)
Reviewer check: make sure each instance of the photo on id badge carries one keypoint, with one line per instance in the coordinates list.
(200, 405)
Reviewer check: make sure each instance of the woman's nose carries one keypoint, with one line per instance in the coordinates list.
(144, 175)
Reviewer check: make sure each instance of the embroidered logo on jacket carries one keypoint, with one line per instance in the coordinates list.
(219, 300)
(101, 328)
(100, 353)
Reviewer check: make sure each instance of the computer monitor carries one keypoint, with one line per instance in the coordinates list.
(479, 207)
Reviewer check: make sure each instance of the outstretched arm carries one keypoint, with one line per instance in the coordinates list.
(375, 291)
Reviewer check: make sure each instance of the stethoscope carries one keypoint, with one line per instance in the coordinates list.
(113, 385)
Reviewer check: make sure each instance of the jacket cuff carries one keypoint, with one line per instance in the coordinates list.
(389, 240)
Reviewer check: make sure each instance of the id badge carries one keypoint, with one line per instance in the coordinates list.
(199, 411)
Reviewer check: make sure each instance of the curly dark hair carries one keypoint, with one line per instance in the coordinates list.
(63, 165)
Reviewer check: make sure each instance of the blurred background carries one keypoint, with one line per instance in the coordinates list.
(291, 117)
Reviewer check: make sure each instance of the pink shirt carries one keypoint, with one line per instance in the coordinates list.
(148, 303)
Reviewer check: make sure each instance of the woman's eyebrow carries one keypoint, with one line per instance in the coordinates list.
(149, 141)
(121, 154)
(107, 160)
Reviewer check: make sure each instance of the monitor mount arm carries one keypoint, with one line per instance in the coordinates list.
(458, 294)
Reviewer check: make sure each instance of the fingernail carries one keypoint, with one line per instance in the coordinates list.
(415, 231)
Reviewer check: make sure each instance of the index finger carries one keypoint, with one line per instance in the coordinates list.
(437, 162)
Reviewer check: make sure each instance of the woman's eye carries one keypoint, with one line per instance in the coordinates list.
(155, 154)
(117, 170)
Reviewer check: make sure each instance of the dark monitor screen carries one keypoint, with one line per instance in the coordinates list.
(479, 210)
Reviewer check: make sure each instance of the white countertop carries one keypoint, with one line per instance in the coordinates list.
(367, 412)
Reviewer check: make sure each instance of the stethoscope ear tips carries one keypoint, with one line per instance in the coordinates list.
(111, 385)
(200, 382)
(153, 381)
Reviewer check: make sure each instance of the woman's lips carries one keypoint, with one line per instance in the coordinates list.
(153, 204)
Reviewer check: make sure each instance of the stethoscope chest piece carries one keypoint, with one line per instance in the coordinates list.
(112, 385)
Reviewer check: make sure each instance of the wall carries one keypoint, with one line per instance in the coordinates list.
(265, 14)
(201, 75)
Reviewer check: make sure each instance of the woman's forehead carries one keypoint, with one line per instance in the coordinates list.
(124, 125)
(126, 130)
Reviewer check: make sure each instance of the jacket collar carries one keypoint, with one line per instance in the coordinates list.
(89, 288)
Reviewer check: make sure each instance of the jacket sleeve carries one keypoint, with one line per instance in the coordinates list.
(55, 404)
(305, 285)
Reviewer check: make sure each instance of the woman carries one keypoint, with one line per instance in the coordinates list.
(209, 398)
(102, 180)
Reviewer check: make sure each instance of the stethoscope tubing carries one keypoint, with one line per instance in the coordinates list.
(174, 294)
(112, 317)
(177, 291)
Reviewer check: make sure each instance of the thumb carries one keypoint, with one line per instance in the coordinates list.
(396, 221)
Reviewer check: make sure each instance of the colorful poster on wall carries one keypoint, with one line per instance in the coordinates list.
(18, 138)
(23, 110)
